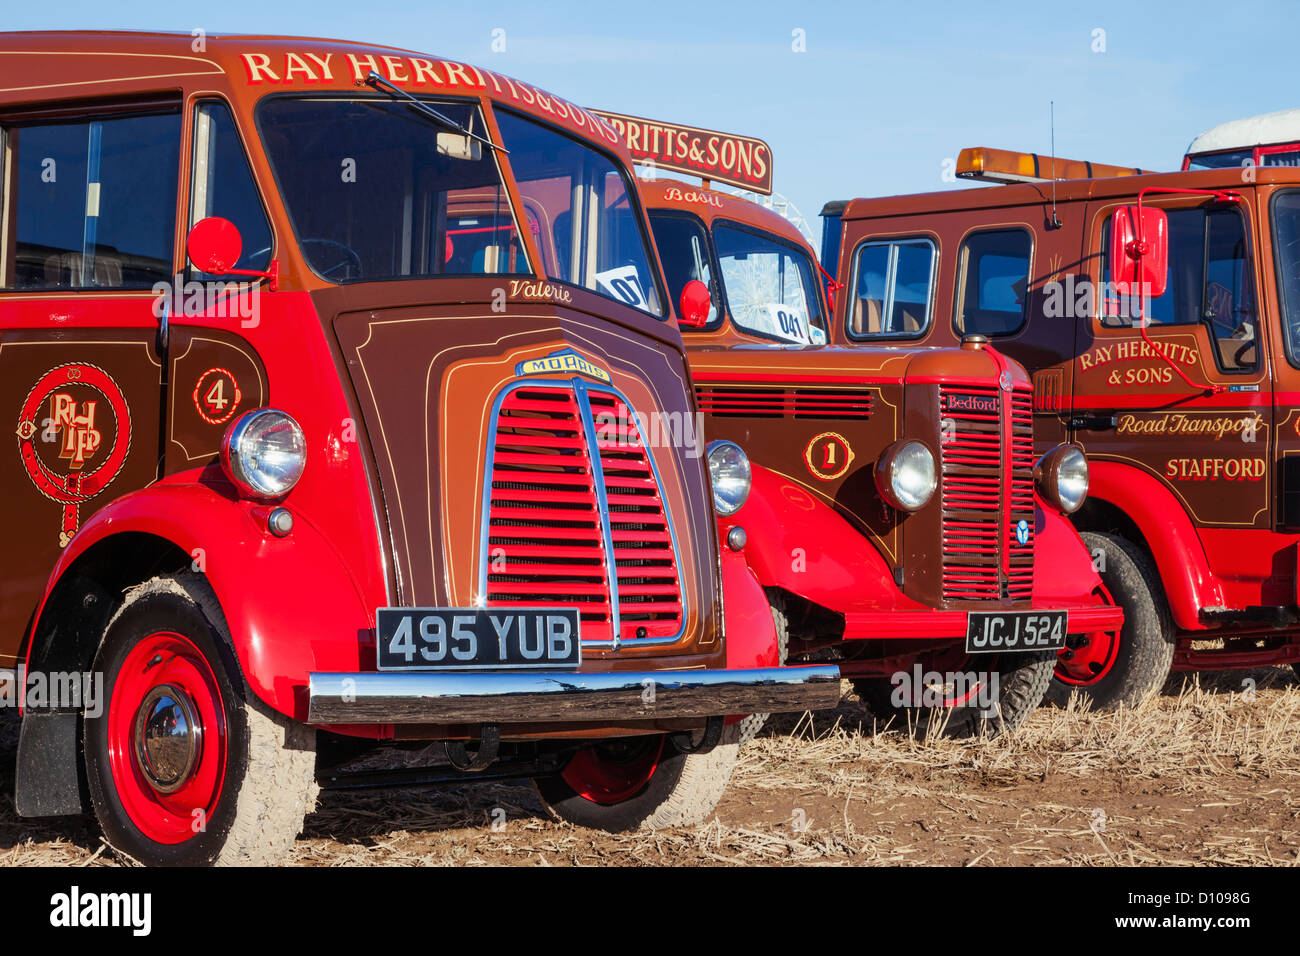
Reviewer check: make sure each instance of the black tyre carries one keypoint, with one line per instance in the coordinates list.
(184, 765)
(1109, 670)
(640, 783)
(751, 725)
(1021, 682)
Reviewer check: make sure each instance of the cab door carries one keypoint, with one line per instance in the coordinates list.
(1190, 404)
(89, 230)
(214, 373)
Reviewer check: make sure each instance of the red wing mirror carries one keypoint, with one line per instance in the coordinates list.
(693, 307)
(213, 246)
(1139, 250)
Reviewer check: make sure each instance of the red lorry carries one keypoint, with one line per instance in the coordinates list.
(300, 466)
(900, 520)
(1158, 316)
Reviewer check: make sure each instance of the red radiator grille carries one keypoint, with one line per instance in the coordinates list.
(546, 542)
(648, 593)
(1020, 586)
(980, 547)
(783, 402)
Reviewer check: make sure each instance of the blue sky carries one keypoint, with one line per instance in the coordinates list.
(881, 96)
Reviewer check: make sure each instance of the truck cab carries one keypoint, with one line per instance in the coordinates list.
(1154, 312)
(303, 459)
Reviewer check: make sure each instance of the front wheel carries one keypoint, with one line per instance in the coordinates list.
(959, 694)
(1110, 670)
(184, 765)
(640, 783)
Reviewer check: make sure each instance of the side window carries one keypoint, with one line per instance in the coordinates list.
(1229, 299)
(992, 281)
(1208, 280)
(893, 289)
(684, 251)
(221, 183)
(93, 203)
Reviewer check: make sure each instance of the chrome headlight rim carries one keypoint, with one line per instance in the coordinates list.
(234, 453)
(727, 503)
(888, 467)
(1056, 471)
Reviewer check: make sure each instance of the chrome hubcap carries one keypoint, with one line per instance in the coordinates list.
(168, 738)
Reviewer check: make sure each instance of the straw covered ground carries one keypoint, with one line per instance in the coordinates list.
(1207, 772)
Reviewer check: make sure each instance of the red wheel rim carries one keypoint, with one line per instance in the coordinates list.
(1093, 658)
(167, 760)
(611, 773)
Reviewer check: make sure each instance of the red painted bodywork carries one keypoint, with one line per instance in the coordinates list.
(807, 548)
(1168, 531)
(281, 629)
(751, 634)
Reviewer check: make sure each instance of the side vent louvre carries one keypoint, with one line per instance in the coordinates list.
(750, 402)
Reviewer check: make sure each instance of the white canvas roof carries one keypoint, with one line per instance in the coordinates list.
(1264, 130)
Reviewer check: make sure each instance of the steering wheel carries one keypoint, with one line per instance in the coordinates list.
(1238, 357)
(348, 259)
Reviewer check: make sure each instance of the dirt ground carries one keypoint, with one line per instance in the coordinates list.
(1208, 772)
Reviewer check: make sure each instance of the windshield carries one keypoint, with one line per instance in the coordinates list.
(1286, 249)
(369, 183)
(770, 285)
(1236, 157)
(684, 251)
(1286, 154)
(580, 208)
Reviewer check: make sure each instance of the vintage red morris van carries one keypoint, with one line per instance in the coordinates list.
(302, 456)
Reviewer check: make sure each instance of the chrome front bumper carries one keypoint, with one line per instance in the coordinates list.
(448, 697)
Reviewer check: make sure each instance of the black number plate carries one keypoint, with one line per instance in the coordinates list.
(451, 638)
(991, 632)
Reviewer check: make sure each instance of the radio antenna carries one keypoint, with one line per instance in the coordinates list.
(1056, 220)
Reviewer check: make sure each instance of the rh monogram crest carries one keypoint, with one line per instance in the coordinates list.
(61, 431)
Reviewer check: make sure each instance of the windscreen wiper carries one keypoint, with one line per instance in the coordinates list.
(379, 83)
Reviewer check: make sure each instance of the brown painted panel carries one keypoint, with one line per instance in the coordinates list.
(1213, 452)
(82, 408)
(215, 377)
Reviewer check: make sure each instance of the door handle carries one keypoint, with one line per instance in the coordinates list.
(1094, 423)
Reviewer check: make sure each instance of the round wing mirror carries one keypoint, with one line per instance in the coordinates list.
(213, 245)
(693, 308)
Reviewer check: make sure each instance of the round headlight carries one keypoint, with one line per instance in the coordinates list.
(729, 475)
(906, 476)
(1062, 478)
(264, 453)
